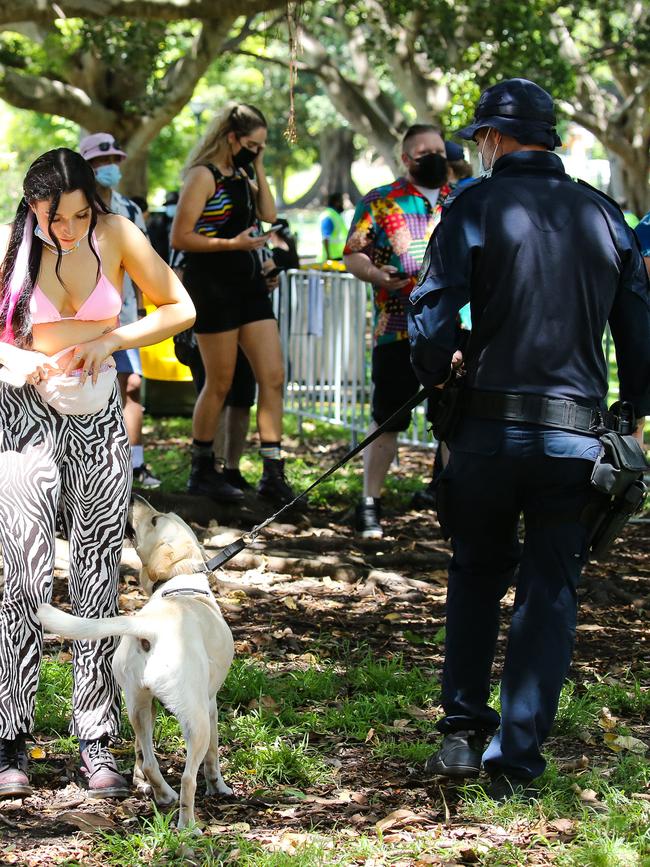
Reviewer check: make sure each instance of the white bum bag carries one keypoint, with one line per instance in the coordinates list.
(67, 394)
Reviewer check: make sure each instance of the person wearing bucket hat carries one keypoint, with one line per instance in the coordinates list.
(546, 263)
(105, 155)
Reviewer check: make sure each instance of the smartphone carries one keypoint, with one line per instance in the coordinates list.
(273, 272)
(399, 275)
(274, 228)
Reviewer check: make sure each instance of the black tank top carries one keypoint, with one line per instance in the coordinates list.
(229, 211)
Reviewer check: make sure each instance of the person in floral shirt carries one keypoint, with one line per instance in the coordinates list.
(386, 243)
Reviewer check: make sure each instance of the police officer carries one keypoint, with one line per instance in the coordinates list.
(546, 262)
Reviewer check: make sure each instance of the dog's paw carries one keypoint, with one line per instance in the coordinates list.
(167, 798)
(144, 788)
(217, 787)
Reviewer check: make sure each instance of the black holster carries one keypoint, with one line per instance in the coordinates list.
(446, 410)
(618, 490)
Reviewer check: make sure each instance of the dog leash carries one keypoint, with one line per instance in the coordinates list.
(244, 541)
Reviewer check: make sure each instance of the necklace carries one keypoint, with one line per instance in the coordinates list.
(49, 246)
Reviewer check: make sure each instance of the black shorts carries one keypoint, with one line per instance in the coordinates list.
(394, 381)
(227, 304)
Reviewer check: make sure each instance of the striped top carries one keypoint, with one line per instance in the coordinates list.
(230, 209)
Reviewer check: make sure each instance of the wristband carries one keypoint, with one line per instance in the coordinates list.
(142, 311)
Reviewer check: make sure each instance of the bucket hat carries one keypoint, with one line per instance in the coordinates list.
(519, 108)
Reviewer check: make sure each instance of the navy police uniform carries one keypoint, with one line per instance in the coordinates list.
(546, 263)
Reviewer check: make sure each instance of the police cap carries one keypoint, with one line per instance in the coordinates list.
(519, 108)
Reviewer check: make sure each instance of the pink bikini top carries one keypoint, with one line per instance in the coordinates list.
(104, 302)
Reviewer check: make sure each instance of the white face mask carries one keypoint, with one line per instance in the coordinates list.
(485, 168)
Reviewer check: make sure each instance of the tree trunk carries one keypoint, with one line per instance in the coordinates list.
(279, 178)
(134, 174)
(633, 181)
(336, 158)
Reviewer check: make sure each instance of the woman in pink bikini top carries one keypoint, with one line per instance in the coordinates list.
(60, 292)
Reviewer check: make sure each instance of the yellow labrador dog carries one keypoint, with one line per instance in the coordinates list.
(177, 648)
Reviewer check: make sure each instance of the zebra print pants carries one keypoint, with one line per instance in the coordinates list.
(81, 464)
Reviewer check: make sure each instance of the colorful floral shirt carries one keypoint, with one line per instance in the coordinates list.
(392, 225)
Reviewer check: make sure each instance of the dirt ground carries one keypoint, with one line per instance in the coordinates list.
(321, 585)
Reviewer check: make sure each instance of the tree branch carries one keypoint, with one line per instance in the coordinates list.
(38, 93)
(38, 11)
(181, 80)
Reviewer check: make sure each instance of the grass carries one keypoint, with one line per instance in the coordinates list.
(273, 715)
(168, 455)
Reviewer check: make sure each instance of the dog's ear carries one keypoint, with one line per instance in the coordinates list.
(161, 561)
(139, 510)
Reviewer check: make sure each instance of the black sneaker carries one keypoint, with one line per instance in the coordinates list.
(205, 480)
(366, 518)
(144, 478)
(504, 787)
(235, 478)
(459, 756)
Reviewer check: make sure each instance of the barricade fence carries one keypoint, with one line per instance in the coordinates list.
(326, 320)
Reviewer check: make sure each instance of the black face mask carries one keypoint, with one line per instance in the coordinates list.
(430, 171)
(244, 157)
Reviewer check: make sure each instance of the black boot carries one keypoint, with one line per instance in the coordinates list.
(273, 485)
(207, 481)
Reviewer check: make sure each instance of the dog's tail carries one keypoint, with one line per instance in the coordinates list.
(90, 629)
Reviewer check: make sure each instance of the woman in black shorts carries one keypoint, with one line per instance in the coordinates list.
(215, 224)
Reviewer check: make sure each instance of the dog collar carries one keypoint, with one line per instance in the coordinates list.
(185, 591)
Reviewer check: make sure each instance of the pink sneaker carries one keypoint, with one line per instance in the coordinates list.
(99, 769)
(13, 768)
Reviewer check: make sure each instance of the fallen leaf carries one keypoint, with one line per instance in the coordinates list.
(265, 701)
(563, 826)
(585, 794)
(393, 616)
(290, 842)
(370, 735)
(290, 603)
(575, 764)
(401, 817)
(86, 821)
(416, 712)
(607, 721)
(401, 723)
(624, 742)
(37, 753)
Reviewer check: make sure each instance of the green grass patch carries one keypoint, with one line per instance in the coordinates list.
(413, 753)
(54, 697)
(280, 761)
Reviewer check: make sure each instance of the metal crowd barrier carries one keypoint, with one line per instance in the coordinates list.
(325, 321)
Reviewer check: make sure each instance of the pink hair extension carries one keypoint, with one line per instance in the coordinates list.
(18, 275)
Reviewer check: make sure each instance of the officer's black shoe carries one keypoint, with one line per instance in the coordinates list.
(273, 485)
(459, 756)
(427, 498)
(366, 518)
(504, 787)
(205, 480)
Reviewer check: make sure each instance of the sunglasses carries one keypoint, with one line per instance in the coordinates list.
(107, 145)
